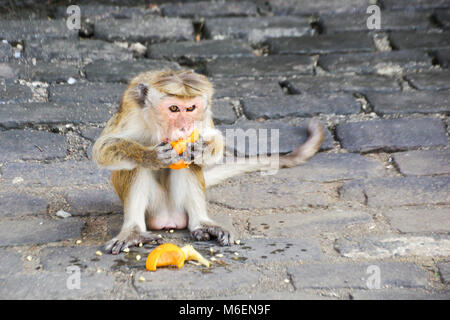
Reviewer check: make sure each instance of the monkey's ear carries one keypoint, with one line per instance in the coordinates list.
(142, 92)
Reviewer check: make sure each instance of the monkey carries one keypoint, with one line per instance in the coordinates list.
(158, 107)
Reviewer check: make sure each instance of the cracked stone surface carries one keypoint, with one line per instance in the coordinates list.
(373, 202)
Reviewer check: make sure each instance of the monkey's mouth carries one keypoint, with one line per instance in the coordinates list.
(181, 133)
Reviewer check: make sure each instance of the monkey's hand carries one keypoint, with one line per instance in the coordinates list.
(208, 231)
(160, 156)
(129, 238)
(195, 152)
(206, 150)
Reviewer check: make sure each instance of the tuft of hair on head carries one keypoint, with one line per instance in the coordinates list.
(182, 83)
(154, 84)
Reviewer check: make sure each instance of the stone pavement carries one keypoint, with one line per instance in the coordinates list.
(367, 218)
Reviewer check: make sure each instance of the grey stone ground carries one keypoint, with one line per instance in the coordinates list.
(376, 195)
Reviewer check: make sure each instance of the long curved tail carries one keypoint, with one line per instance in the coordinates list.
(302, 153)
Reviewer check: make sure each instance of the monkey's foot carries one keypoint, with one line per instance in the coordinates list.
(204, 233)
(130, 238)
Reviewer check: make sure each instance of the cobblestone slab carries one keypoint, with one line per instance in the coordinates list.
(443, 57)
(14, 30)
(258, 29)
(223, 111)
(288, 7)
(356, 276)
(430, 81)
(408, 20)
(151, 30)
(55, 174)
(8, 72)
(333, 167)
(210, 9)
(31, 145)
(245, 88)
(408, 190)
(92, 201)
(289, 137)
(410, 102)
(87, 93)
(6, 52)
(49, 72)
(304, 105)
(58, 259)
(444, 272)
(275, 250)
(393, 134)
(39, 231)
(14, 93)
(91, 133)
(414, 4)
(14, 204)
(390, 62)
(10, 263)
(323, 44)
(410, 40)
(107, 71)
(196, 51)
(400, 294)
(85, 50)
(443, 17)
(355, 83)
(390, 246)
(19, 115)
(421, 162)
(268, 66)
(301, 225)
(419, 219)
(255, 195)
(194, 283)
(53, 285)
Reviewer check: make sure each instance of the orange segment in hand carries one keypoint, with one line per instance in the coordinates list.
(180, 146)
(164, 255)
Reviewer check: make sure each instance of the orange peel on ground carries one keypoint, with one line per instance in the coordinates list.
(180, 147)
(169, 254)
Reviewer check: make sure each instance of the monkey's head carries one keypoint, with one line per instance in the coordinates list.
(173, 101)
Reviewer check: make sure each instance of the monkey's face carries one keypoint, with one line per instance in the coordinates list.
(179, 116)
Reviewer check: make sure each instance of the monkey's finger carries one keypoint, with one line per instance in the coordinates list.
(164, 148)
(171, 160)
(167, 156)
(148, 236)
(226, 239)
(114, 246)
(223, 237)
(167, 152)
(110, 244)
(200, 234)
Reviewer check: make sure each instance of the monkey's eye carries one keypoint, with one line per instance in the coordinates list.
(191, 108)
(174, 108)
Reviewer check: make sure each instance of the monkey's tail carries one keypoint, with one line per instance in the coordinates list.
(301, 154)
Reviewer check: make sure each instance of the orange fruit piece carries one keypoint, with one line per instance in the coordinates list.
(180, 146)
(164, 255)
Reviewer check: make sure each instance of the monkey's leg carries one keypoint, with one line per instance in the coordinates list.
(142, 189)
(187, 192)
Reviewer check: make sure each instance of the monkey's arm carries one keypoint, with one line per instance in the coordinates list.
(123, 154)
